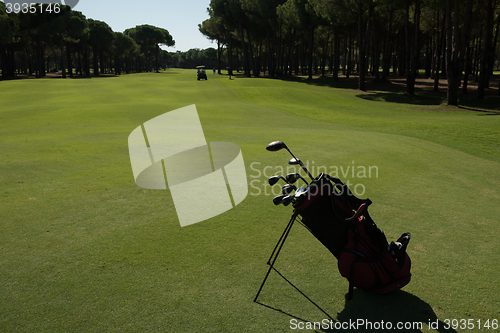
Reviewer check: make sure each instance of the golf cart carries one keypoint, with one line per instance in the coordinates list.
(201, 73)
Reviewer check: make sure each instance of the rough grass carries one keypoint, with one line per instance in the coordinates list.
(84, 249)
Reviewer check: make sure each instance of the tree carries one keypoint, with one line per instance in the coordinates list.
(413, 52)
(6, 39)
(362, 40)
(214, 30)
(123, 47)
(302, 13)
(66, 27)
(235, 19)
(486, 53)
(100, 39)
(457, 38)
(149, 36)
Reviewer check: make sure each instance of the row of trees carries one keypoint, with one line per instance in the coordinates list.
(29, 41)
(451, 38)
(194, 57)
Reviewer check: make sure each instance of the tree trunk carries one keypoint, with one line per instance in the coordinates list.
(416, 50)
(493, 46)
(251, 59)
(361, 46)
(95, 58)
(230, 53)
(102, 62)
(466, 70)
(3, 62)
(86, 60)
(483, 76)
(219, 57)
(336, 53)
(288, 65)
(156, 58)
(79, 61)
(376, 55)
(63, 60)
(407, 44)
(68, 59)
(386, 56)
(246, 68)
(270, 66)
(437, 52)
(311, 45)
(452, 92)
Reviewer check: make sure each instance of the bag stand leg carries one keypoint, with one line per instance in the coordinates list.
(276, 251)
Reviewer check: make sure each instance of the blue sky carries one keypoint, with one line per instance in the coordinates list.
(179, 17)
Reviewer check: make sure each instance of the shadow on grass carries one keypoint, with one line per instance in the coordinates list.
(393, 90)
(367, 312)
(324, 81)
(395, 97)
(397, 308)
(100, 76)
(305, 296)
(482, 112)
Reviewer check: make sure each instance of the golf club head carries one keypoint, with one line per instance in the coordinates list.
(293, 177)
(301, 191)
(286, 200)
(276, 145)
(274, 179)
(278, 199)
(288, 188)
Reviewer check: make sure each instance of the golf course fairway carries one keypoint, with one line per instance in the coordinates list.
(84, 249)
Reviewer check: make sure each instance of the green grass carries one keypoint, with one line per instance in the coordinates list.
(83, 249)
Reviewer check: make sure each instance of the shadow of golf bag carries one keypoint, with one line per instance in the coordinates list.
(340, 221)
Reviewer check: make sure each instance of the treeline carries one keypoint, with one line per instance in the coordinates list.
(46, 39)
(194, 57)
(455, 39)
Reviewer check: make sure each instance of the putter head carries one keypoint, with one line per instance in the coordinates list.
(288, 188)
(274, 179)
(278, 199)
(276, 145)
(286, 200)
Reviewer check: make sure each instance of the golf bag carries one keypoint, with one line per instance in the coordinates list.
(340, 221)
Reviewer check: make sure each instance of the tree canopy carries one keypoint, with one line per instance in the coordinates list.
(452, 39)
(37, 42)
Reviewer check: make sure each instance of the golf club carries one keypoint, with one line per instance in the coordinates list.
(293, 177)
(301, 191)
(286, 200)
(278, 145)
(288, 188)
(274, 179)
(278, 199)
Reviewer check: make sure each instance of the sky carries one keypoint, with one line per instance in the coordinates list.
(179, 17)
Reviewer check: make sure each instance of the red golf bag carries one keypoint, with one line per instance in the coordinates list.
(340, 221)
